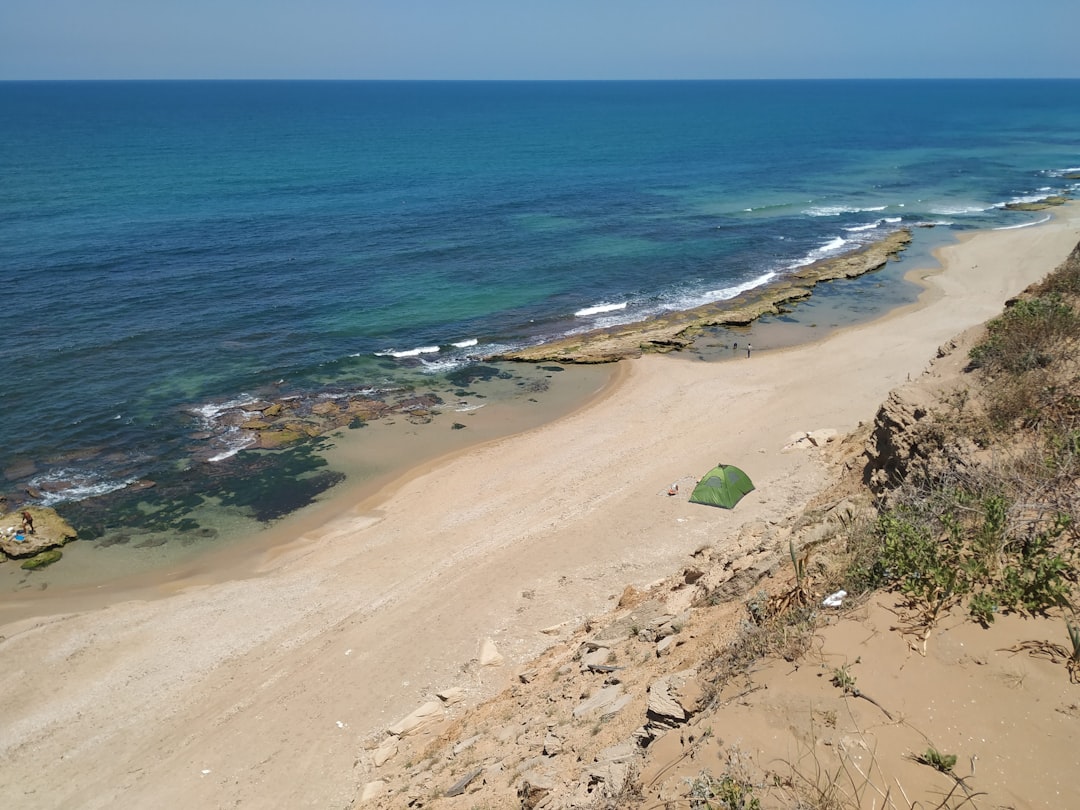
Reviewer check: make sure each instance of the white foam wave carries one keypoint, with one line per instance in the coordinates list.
(408, 352)
(464, 344)
(234, 441)
(466, 407)
(830, 248)
(837, 210)
(1047, 218)
(722, 294)
(443, 365)
(212, 410)
(599, 309)
(959, 210)
(877, 223)
(77, 486)
(1028, 198)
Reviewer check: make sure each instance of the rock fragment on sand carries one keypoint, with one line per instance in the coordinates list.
(601, 699)
(419, 720)
(385, 752)
(459, 786)
(451, 696)
(489, 654)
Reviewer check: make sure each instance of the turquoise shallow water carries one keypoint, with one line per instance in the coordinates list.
(166, 247)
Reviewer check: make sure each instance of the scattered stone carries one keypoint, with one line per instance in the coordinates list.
(598, 657)
(385, 752)
(533, 790)
(553, 744)
(603, 698)
(450, 696)
(421, 719)
(489, 654)
(466, 744)
(459, 786)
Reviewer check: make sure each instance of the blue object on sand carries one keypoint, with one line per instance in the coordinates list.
(20, 538)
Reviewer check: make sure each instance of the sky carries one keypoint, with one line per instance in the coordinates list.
(541, 39)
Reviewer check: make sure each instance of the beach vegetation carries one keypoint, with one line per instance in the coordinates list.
(707, 792)
(937, 760)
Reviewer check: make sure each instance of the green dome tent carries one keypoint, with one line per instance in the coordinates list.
(723, 485)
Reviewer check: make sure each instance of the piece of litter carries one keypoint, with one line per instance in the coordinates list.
(348, 652)
(340, 724)
(834, 599)
(206, 771)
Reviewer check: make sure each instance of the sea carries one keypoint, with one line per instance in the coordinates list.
(173, 253)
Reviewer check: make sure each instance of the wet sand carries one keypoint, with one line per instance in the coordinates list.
(260, 690)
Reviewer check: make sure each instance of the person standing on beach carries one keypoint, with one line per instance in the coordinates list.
(748, 348)
(28, 522)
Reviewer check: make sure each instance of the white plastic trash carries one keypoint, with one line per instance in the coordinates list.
(834, 599)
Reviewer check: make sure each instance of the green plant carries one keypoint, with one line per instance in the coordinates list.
(982, 608)
(726, 793)
(1027, 336)
(936, 760)
(843, 679)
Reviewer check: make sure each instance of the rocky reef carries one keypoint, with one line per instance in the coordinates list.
(676, 330)
(50, 533)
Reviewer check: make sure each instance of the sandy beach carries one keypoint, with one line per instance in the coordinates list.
(261, 691)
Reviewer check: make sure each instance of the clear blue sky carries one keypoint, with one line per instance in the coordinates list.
(542, 39)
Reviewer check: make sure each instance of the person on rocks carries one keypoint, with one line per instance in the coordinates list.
(27, 522)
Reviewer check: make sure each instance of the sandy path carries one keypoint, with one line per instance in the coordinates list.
(260, 691)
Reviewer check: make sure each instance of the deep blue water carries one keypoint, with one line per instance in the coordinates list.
(165, 245)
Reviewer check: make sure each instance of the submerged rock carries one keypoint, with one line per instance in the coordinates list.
(43, 559)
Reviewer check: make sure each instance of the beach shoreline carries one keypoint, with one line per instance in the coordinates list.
(263, 689)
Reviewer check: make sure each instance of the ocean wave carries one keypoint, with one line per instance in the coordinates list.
(837, 210)
(63, 485)
(212, 410)
(234, 440)
(408, 352)
(869, 226)
(444, 365)
(465, 344)
(1047, 218)
(959, 210)
(599, 309)
(690, 300)
(1027, 199)
(833, 246)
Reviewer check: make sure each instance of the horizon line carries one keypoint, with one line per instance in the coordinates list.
(551, 80)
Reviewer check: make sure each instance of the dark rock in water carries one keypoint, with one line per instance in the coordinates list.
(143, 484)
(150, 542)
(22, 468)
(457, 426)
(114, 540)
(1038, 205)
(201, 436)
(43, 559)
